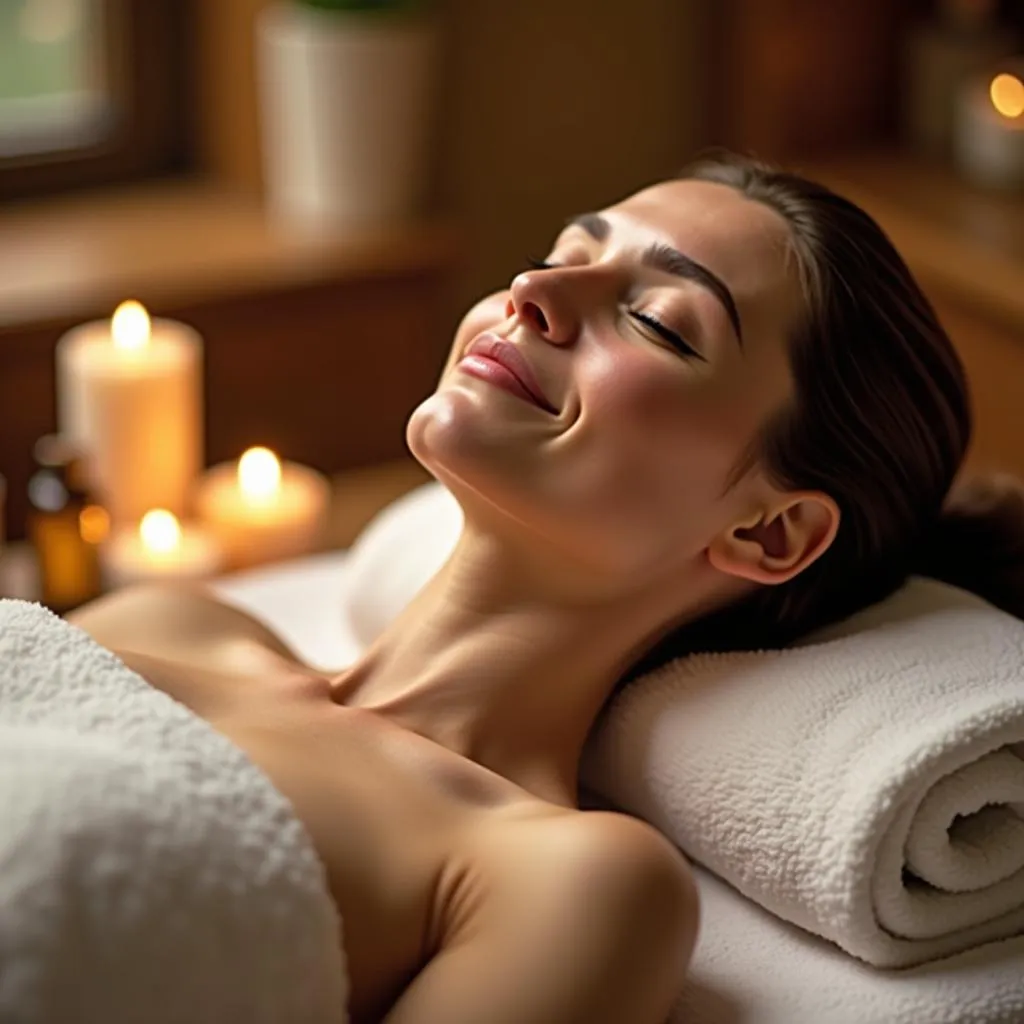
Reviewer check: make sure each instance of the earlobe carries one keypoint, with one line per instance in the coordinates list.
(779, 542)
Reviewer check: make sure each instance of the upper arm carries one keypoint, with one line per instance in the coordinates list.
(596, 928)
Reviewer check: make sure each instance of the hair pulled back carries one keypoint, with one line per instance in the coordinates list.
(880, 421)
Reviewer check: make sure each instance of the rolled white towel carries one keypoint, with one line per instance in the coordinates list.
(149, 871)
(868, 787)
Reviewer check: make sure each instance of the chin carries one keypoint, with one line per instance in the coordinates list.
(430, 430)
(454, 436)
(491, 468)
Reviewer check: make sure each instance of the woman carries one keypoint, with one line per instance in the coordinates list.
(720, 413)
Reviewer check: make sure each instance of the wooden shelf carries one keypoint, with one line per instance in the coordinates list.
(960, 240)
(173, 244)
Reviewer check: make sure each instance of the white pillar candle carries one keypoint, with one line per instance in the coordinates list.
(159, 548)
(989, 131)
(261, 510)
(129, 394)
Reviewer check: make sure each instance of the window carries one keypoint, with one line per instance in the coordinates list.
(53, 95)
(91, 91)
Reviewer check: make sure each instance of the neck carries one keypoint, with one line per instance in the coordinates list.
(501, 670)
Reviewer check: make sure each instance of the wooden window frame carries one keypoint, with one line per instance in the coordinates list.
(148, 52)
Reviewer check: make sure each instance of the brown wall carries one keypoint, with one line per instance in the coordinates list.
(545, 108)
(553, 107)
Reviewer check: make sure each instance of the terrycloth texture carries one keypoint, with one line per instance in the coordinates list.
(749, 966)
(869, 788)
(148, 870)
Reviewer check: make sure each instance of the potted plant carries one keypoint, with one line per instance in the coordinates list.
(346, 89)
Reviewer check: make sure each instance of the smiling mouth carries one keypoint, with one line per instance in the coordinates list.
(498, 362)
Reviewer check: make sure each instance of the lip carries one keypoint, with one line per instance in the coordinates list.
(489, 346)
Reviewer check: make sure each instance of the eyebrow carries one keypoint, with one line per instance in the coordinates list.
(670, 261)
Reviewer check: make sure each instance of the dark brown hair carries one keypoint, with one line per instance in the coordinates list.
(880, 421)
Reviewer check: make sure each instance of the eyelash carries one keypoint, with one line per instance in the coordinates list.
(665, 333)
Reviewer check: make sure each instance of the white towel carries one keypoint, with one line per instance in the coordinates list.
(869, 788)
(751, 968)
(148, 870)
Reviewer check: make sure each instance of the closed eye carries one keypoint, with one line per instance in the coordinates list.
(536, 264)
(667, 334)
(663, 332)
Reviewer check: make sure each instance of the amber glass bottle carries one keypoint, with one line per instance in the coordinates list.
(66, 526)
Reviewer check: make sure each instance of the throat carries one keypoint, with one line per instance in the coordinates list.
(495, 675)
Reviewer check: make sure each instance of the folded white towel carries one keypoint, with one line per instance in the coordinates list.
(148, 870)
(869, 788)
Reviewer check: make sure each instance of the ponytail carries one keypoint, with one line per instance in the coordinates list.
(978, 541)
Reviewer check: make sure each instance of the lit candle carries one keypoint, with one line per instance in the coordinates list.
(262, 510)
(159, 548)
(989, 137)
(129, 394)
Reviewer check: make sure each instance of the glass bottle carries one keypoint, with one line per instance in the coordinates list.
(66, 526)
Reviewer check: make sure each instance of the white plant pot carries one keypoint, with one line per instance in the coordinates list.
(346, 106)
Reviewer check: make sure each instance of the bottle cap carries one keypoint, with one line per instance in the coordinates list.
(54, 451)
(57, 452)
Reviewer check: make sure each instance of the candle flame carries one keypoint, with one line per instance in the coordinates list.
(130, 325)
(1007, 93)
(160, 531)
(259, 474)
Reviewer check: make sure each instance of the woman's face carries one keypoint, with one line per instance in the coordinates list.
(652, 349)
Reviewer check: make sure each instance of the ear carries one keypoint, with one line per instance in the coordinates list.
(779, 541)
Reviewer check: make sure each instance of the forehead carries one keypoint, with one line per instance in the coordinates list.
(743, 241)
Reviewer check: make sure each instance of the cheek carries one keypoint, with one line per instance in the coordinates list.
(655, 445)
(654, 410)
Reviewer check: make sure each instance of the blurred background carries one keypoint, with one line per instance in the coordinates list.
(320, 191)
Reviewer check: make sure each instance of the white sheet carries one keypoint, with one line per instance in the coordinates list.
(749, 967)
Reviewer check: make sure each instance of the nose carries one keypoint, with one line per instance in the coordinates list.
(554, 302)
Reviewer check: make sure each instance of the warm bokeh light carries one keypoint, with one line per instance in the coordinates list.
(93, 524)
(160, 531)
(1007, 92)
(259, 474)
(130, 325)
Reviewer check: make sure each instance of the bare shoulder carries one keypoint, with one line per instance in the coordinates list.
(164, 618)
(570, 917)
(619, 861)
(576, 850)
(606, 835)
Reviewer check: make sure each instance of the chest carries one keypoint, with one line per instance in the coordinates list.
(388, 812)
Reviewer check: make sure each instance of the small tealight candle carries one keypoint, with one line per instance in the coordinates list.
(262, 510)
(160, 548)
(989, 133)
